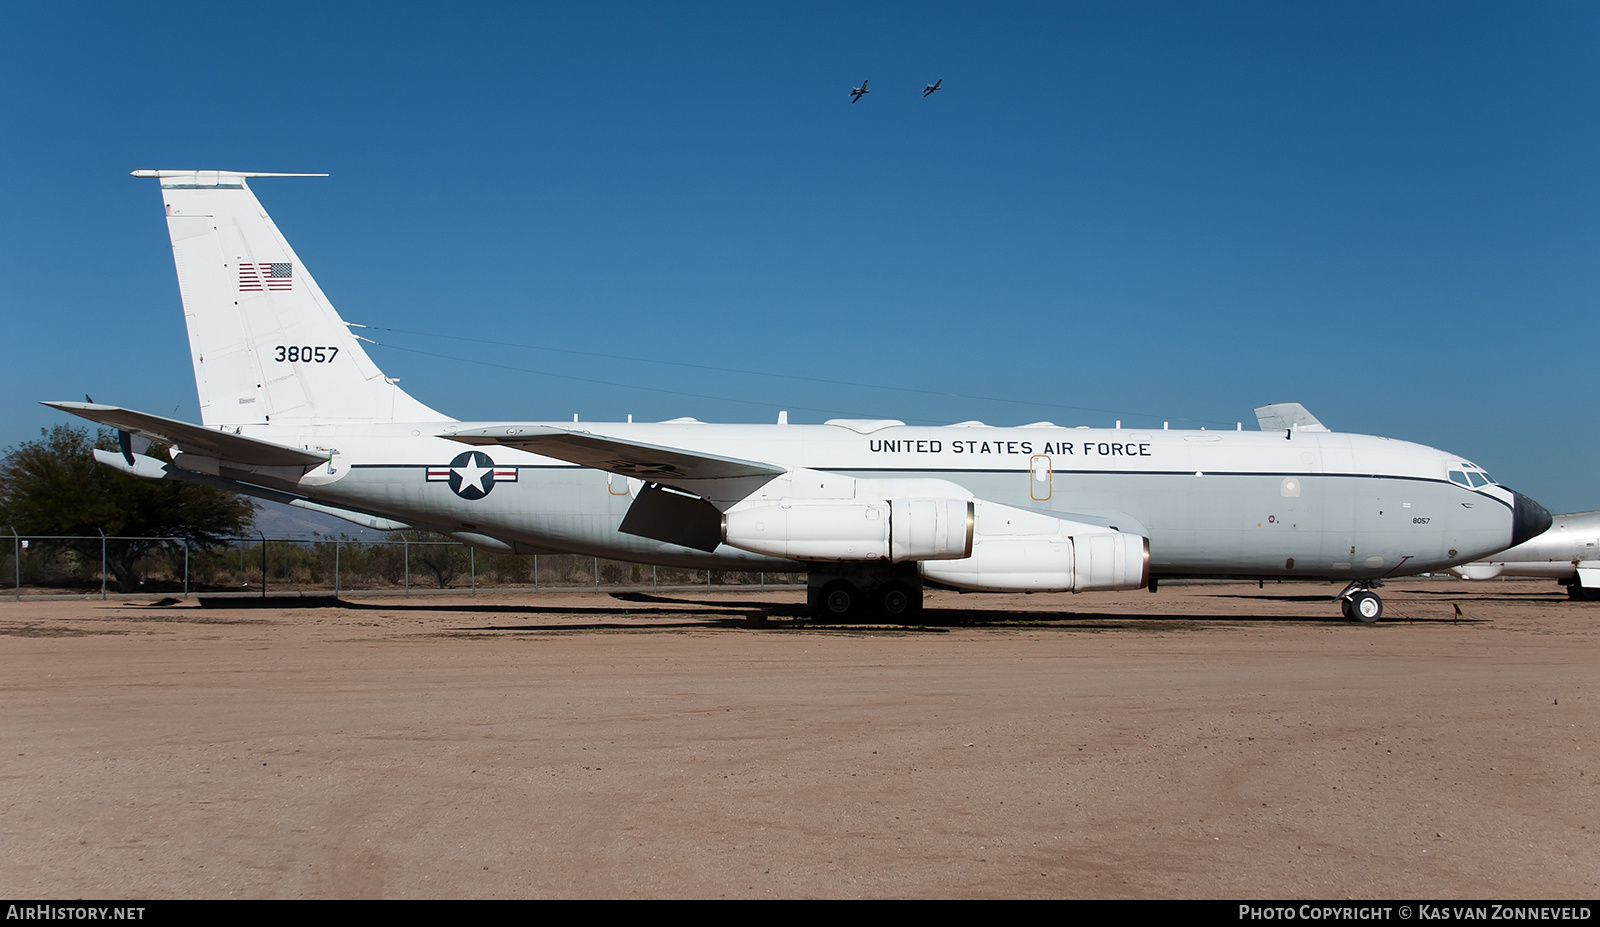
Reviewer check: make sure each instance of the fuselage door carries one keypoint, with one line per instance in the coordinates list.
(1039, 477)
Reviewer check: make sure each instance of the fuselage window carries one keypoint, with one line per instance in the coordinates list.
(1477, 479)
(1457, 476)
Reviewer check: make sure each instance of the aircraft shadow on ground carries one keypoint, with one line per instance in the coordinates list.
(1276, 598)
(938, 621)
(754, 612)
(955, 617)
(1560, 595)
(423, 605)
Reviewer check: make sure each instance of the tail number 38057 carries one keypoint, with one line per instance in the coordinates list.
(305, 353)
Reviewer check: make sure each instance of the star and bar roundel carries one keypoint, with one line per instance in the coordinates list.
(472, 475)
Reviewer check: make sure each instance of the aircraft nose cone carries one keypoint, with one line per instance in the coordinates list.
(1529, 519)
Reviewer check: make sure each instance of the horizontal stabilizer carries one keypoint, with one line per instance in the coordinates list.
(615, 455)
(193, 439)
(1285, 416)
(211, 178)
(152, 468)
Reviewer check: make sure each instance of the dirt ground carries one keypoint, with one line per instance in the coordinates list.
(1206, 741)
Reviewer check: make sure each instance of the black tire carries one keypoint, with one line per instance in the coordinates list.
(838, 601)
(1365, 607)
(898, 601)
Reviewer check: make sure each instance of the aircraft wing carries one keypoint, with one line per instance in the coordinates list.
(616, 455)
(193, 439)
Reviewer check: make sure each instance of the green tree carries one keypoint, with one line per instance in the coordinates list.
(432, 554)
(54, 486)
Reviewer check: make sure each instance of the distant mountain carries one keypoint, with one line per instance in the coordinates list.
(277, 520)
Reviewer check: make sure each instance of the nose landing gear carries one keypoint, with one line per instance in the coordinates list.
(1360, 603)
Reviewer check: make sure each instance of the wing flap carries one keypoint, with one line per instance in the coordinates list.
(193, 439)
(616, 455)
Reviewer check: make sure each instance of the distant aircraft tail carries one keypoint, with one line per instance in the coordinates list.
(267, 346)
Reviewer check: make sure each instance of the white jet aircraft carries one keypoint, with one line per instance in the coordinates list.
(293, 409)
(1569, 553)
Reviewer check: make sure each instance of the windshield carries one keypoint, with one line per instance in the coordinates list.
(1471, 477)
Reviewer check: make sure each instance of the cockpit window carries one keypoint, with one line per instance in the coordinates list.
(1471, 477)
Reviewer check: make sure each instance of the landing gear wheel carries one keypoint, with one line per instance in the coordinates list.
(838, 601)
(1364, 607)
(897, 600)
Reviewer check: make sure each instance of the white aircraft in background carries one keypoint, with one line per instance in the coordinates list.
(1569, 553)
(932, 88)
(857, 93)
(293, 409)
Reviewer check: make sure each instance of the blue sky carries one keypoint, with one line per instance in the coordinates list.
(1136, 211)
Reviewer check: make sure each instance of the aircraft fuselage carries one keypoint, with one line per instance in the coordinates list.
(1213, 503)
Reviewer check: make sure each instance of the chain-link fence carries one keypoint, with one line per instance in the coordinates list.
(402, 564)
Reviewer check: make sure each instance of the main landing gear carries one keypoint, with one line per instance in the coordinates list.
(1360, 603)
(1577, 591)
(850, 593)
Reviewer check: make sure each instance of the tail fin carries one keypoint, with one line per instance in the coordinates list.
(267, 346)
(1287, 415)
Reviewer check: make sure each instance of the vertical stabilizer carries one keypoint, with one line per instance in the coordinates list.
(267, 346)
(1292, 416)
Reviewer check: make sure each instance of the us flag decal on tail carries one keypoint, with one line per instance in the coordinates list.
(260, 278)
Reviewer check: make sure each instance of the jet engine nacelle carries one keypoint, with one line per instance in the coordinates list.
(897, 530)
(1016, 550)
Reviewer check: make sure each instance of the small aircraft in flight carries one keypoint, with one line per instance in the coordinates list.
(929, 90)
(1568, 552)
(873, 510)
(857, 93)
